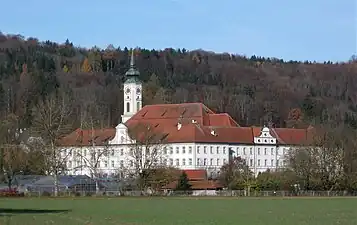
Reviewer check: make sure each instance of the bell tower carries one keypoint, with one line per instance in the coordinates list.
(132, 91)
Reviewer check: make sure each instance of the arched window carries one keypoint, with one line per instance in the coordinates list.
(138, 105)
(127, 107)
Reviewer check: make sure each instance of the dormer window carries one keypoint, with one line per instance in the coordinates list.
(179, 125)
(194, 121)
(213, 133)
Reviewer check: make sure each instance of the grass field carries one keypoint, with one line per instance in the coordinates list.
(179, 211)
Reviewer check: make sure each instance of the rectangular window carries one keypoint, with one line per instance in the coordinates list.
(183, 150)
(265, 162)
(105, 164)
(265, 151)
(204, 161)
(112, 163)
(190, 150)
(204, 149)
(224, 150)
(218, 162)
(272, 151)
(258, 162)
(122, 164)
(121, 151)
(177, 150)
(171, 162)
(258, 151)
(184, 162)
(111, 153)
(211, 162)
(251, 151)
(177, 162)
(251, 162)
(190, 161)
(244, 151)
(171, 150)
(272, 162)
(217, 149)
(277, 162)
(198, 162)
(198, 149)
(165, 150)
(211, 149)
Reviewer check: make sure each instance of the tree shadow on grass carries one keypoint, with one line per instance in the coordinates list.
(10, 212)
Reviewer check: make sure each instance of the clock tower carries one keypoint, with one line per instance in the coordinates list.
(132, 91)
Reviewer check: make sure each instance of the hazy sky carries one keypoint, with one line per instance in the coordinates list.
(305, 29)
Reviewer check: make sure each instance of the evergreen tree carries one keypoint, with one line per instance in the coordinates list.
(183, 183)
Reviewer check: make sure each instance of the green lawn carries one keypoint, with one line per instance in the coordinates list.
(176, 211)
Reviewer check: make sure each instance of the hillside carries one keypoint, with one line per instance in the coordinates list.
(254, 91)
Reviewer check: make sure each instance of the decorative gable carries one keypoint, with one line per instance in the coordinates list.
(265, 138)
(121, 135)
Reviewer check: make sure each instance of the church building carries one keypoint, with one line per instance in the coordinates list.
(187, 136)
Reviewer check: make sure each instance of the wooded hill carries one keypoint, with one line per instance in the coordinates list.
(254, 91)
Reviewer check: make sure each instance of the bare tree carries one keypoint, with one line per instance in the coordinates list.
(51, 122)
(146, 153)
(13, 156)
(236, 174)
(318, 165)
(97, 155)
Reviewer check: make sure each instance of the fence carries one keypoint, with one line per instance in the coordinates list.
(196, 193)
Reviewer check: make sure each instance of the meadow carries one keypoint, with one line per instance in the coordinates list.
(179, 211)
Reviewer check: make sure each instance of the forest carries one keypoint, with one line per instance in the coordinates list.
(254, 90)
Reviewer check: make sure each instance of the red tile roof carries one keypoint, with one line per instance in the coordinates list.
(199, 124)
(196, 174)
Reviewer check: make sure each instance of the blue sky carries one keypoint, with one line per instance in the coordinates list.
(305, 29)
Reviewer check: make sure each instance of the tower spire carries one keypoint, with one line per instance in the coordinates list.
(132, 60)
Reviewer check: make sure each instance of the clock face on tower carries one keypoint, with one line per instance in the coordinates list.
(138, 91)
(127, 90)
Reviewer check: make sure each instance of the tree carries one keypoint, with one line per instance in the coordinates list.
(15, 162)
(183, 183)
(51, 122)
(145, 153)
(65, 69)
(13, 157)
(97, 154)
(319, 164)
(86, 67)
(236, 175)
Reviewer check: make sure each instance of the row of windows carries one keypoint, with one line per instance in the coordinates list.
(266, 151)
(100, 164)
(183, 150)
(272, 162)
(200, 162)
(97, 153)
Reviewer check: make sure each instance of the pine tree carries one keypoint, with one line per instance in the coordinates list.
(183, 183)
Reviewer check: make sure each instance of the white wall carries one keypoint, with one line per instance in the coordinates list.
(264, 154)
